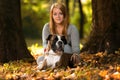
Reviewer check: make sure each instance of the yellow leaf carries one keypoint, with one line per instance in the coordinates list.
(103, 73)
(116, 75)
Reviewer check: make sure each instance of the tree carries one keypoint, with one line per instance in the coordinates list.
(82, 19)
(12, 43)
(105, 34)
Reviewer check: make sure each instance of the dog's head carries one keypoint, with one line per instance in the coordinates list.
(56, 43)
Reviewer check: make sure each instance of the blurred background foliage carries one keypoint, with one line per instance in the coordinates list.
(35, 13)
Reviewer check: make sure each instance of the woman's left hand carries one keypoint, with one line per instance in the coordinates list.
(75, 58)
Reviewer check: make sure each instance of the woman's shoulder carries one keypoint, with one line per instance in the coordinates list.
(72, 27)
(46, 25)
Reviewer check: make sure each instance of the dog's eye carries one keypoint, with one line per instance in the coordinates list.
(64, 39)
(56, 38)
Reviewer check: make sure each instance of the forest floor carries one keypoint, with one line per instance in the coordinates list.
(99, 66)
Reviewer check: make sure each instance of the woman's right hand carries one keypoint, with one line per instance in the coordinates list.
(46, 50)
(75, 58)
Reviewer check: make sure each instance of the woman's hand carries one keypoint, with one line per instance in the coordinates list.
(75, 58)
(46, 50)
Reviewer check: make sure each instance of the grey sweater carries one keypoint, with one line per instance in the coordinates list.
(72, 40)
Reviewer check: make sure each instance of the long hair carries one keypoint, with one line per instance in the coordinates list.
(52, 26)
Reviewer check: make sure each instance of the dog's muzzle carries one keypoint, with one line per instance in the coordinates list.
(60, 45)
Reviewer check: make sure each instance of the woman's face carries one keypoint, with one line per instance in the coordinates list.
(57, 16)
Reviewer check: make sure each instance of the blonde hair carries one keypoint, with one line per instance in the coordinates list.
(52, 26)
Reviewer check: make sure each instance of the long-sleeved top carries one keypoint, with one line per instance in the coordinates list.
(73, 40)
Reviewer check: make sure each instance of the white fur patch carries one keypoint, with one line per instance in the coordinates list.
(59, 39)
(52, 58)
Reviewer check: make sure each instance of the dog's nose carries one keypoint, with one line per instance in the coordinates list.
(60, 43)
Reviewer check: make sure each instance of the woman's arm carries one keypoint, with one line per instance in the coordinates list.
(45, 33)
(75, 40)
(75, 43)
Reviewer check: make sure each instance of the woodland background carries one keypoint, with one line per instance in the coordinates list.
(36, 13)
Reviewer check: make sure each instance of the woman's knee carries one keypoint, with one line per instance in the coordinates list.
(39, 59)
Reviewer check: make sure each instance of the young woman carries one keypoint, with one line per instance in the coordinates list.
(59, 24)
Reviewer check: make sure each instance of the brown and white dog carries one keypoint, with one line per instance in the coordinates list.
(55, 57)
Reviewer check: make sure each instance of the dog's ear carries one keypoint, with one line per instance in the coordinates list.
(49, 37)
(64, 39)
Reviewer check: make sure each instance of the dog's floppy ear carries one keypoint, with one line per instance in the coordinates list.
(64, 39)
(49, 37)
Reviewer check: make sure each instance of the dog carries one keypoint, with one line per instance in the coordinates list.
(55, 57)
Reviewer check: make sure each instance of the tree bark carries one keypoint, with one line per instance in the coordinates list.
(67, 7)
(82, 20)
(105, 34)
(12, 43)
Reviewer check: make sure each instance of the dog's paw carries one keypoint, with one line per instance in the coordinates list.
(40, 65)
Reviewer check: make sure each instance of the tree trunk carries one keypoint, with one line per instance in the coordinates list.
(82, 19)
(67, 7)
(12, 43)
(105, 34)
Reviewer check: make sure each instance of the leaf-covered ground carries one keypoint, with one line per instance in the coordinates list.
(99, 66)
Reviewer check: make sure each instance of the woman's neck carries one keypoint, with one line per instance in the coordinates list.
(59, 25)
(59, 29)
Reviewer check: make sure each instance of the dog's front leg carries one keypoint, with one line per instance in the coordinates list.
(53, 66)
(58, 64)
(43, 65)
